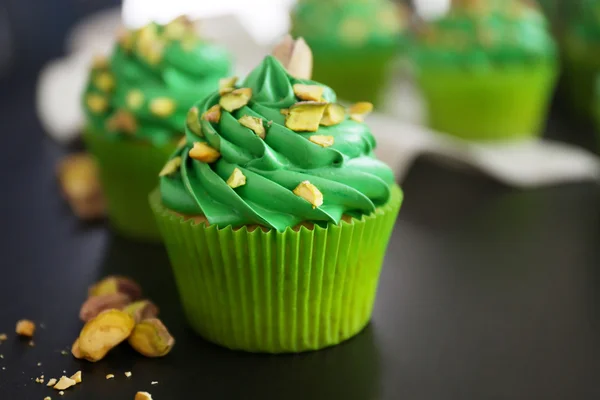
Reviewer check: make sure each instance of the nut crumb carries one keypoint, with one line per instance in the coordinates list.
(77, 377)
(143, 396)
(64, 383)
(61, 392)
(25, 327)
(31, 343)
(3, 337)
(128, 374)
(3, 368)
(47, 398)
(51, 382)
(1, 355)
(154, 383)
(39, 364)
(110, 376)
(64, 352)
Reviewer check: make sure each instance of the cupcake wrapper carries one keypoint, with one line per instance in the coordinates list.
(507, 104)
(128, 173)
(278, 292)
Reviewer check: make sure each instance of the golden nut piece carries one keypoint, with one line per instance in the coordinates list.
(192, 121)
(213, 114)
(75, 350)
(295, 56)
(171, 166)
(151, 338)
(122, 121)
(96, 103)
(104, 81)
(125, 39)
(308, 92)
(253, 123)
(236, 179)
(3, 337)
(305, 116)
(52, 382)
(227, 85)
(143, 396)
(96, 304)
(284, 111)
(80, 185)
(235, 99)
(333, 115)
(99, 62)
(310, 193)
(135, 99)
(322, 140)
(177, 28)
(110, 376)
(116, 284)
(162, 107)
(25, 327)
(203, 152)
(64, 383)
(77, 377)
(141, 310)
(101, 334)
(360, 110)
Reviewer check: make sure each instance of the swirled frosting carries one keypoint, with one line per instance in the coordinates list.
(485, 35)
(154, 76)
(352, 181)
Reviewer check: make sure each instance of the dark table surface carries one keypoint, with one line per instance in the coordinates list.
(487, 293)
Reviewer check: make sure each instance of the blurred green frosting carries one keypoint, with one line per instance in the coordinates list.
(342, 25)
(585, 21)
(353, 182)
(154, 76)
(483, 34)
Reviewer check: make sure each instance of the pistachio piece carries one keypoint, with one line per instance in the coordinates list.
(135, 99)
(77, 377)
(236, 179)
(333, 115)
(104, 332)
(110, 376)
(141, 310)
(151, 338)
(96, 304)
(308, 92)
(203, 152)
(171, 166)
(116, 284)
(236, 99)
(213, 114)
(25, 327)
(146, 36)
(310, 193)
(122, 121)
(305, 116)
(143, 396)
(96, 103)
(253, 123)
(99, 62)
(125, 39)
(162, 107)
(360, 110)
(104, 81)
(182, 142)
(227, 85)
(322, 140)
(295, 56)
(51, 382)
(64, 383)
(192, 121)
(284, 111)
(177, 28)
(80, 185)
(155, 51)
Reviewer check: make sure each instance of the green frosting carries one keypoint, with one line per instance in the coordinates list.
(156, 67)
(353, 182)
(504, 32)
(585, 22)
(343, 25)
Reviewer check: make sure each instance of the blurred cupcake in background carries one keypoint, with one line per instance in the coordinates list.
(136, 105)
(581, 56)
(355, 43)
(486, 70)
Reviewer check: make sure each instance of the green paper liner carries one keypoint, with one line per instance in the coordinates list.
(501, 104)
(278, 292)
(128, 173)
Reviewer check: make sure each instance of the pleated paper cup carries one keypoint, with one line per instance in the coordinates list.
(278, 292)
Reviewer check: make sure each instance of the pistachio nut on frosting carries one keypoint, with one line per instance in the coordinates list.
(275, 151)
(155, 74)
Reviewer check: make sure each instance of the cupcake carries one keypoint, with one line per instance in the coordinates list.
(581, 56)
(276, 213)
(355, 44)
(136, 104)
(486, 70)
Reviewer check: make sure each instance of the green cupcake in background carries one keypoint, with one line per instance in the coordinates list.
(581, 56)
(276, 214)
(487, 70)
(136, 104)
(355, 44)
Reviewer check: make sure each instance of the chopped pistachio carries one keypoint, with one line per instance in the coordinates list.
(99, 62)
(146, 36)
(182, 142)
(308, 92)
(253, 123)
(143, 396)
(236, 99)
(110, 376)
(3, 337)
(125, 39)
(360, 110)
(135, 99)
(155, 51)
(52, 382)
(77, 377)
(162, 107)
(96, 103)
(322, 140)
(203, 152)
(176, 29)
(64, 383)
(236, 179)
(284, 111)
(310, 193)
(305, 116)
(128, 374)
(25, 327)
(122, 121)
(333, 115)
(213, 114)
(227, 85)
(171, 166)
(192, 121)
(104, 81)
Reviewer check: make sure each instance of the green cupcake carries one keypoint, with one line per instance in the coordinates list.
(487, 70)
(276, 215)
(136, 105)
(581, 56)
(355, 44)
